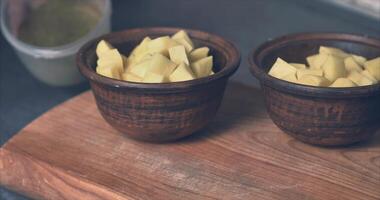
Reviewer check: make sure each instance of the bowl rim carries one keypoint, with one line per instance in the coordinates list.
(231, 65)
(260, 52)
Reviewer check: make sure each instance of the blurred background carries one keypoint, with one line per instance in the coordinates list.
(247, 23)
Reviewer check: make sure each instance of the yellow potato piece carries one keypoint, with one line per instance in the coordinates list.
(161, 45)
(373, 67)
(202, 67)
(302, 72)
(131, 77)
(103, 46)
(151, 77)
(333, 51)
(369, 76)
(183, 38)
(199, 53)
(313, 80)
(351, 64)
(281, 68)
(360, 79)
(111, 58)
(178, 55)
(359, 59)
(110, 72)
(182, 73)
(161, 65)
(343, 82)
(298, 65)
(334, 68)
(141, 68)
(318, 61)
(310, 59)
(140, 51)
(290, 78)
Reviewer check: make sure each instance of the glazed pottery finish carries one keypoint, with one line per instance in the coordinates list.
(165, 111)
(321, 116)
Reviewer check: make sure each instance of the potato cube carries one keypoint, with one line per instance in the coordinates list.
(298, 65)
(141, 68)
(373, 67)
(178, 55)
(140, 51)
(369, 76)
(317, 61)
(359, 59)
(334, 68)
(103, 46)
(302, 72)
(182, 73)
(111, 58)
(199, 53)
(161, 45)
(281, 68)
(151, 77)
(161, 65)
(360, 79)
(351, 64)
(343, 82)
(310, 59)
(110, 72)
(202, 67)
(333, 51)
(290, 78)
(184, 39)
(131, 77)
(313, 80)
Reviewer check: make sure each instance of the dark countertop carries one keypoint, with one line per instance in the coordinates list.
(247, 23)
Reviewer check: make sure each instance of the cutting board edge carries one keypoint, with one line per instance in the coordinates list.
(43, 177)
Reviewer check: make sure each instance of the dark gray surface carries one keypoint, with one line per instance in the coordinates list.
(247, 23)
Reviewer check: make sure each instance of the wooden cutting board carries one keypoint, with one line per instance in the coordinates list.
(72, 153)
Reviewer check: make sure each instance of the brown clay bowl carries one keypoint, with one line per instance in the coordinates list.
(315, 115)
(159, 112)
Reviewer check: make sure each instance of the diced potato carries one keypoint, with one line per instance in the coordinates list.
(360, 79)
(369, 76)
(373, 67)
(103, 46)
(110, 72)
(351, 64)
(141, 68)
(111, 58)
(151, 77)
(318, 61)
(281, 68)
(178, 55)
(298, 65)
(334, 68)
(310, 59)
(359, 59)
(202, 67)
(140, 51)
(161, 65)
(333, 51)
(184, 39)
(313, 80)
(290, 78)
(131, 77)
(343, 82)
(199, 53)
(161, 45)
(302, 72)
(182, 73)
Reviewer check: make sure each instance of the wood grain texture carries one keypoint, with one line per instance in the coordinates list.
(72, 153)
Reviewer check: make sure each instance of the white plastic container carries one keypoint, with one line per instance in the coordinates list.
(54, 66)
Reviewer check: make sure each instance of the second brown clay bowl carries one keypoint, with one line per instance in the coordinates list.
(315, 115)
(159, 112)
